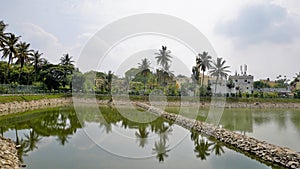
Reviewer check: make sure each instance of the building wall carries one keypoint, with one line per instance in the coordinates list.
(298, 86)
(242, 83)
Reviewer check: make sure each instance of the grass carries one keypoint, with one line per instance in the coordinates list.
(21, 98)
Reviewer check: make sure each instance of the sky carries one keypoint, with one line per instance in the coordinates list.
(264, 34)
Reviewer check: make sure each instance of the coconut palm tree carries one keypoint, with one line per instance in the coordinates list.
(23, 53)
(9, 50)
(144, 65)
(37, 62)
(66, 60)
(68, 67)
(144, 68)
(204, 64)
(2, 34)
(219, 70)
(163, 58)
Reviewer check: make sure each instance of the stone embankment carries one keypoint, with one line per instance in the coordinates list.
(263, 150)
(15, 107)
(255, 105)
(8, 154)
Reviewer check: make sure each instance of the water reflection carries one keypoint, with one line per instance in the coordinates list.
(32, 128)
(204, 147)
(271, 125)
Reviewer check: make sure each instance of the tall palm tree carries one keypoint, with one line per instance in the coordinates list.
(66, 60)
(9, 50)
(219, 70)
(163, 58)
(144, 67)
(23, 53)
(37, 61)
(2, 34)
(204, 64)
(67, 66)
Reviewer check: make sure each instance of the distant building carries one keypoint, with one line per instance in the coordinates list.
(181, 79)
(242, 83)
(282, 92)
(298, 86)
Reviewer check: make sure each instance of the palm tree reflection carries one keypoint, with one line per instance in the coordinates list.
(142, 136)
(203, 147)
(161, 149)
(31, 140)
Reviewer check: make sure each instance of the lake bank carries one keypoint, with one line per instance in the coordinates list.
(16, 107)
(8, 154)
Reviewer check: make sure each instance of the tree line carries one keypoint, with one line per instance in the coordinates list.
(21, 65)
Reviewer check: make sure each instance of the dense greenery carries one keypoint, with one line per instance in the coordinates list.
(21, 65)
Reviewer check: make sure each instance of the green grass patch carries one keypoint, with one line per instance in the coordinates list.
(21, 98)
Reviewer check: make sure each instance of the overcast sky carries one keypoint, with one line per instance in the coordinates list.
(264, 34)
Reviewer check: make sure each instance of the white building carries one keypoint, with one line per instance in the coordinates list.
(242, 83)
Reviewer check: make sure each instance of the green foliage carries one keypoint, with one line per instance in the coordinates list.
(297, 94)
(260, 84)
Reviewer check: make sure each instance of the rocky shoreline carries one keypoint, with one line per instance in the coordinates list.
(266, 152)
(8, 154)
(15, 107)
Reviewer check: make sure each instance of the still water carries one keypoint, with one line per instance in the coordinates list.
(61, 138)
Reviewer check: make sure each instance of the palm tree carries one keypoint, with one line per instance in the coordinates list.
(23, 53)
(2, 34)
(66, 60)
(204, 64)
(195, 77)
(219, 70)
(67, 66)
(163, 58)
(144, 65)
(144, 68)
(9, 50)
(37, 61)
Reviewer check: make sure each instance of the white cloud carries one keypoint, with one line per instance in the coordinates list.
(258, 23)
(43, 41)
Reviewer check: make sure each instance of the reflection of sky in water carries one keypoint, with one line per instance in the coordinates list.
(82, 152)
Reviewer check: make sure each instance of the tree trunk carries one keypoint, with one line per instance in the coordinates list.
(216, 84)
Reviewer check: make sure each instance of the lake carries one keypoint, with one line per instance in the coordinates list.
(63, 138)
